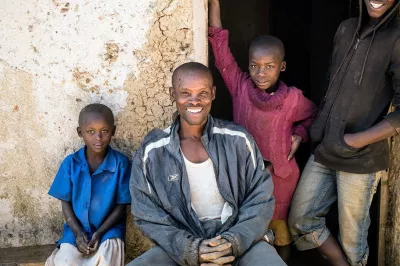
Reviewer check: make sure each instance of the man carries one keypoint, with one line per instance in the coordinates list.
(350, 135)
(200, 190)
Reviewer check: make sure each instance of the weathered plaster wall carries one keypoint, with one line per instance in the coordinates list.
(56, 57)
(393, 223)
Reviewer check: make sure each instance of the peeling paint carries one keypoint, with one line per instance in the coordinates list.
(58, 56)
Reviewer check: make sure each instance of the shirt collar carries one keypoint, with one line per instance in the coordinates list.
(109, 164)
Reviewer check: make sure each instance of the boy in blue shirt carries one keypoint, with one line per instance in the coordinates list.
(93, 186)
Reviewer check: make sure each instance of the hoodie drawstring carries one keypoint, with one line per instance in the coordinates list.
(366, 59)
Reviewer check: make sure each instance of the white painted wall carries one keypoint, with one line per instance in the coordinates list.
(56, 57)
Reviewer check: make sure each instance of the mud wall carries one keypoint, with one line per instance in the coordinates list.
(58, 56)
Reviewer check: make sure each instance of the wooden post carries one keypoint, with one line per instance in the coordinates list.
(383, 213)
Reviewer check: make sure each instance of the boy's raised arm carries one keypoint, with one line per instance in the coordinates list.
(215, 14)
(226, 64)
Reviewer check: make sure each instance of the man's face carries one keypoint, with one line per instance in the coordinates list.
(96, 131)
(265, 66)
(193, 94)
(377, 8)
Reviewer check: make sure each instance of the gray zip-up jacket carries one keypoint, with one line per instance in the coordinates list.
(160, 190)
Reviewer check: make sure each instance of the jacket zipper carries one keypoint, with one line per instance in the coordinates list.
(341, 82)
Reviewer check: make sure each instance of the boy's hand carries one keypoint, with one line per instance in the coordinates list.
(94, 242)
(214, 13)
(216, 251)
(353, 140)
(82, 243)
(296, 140)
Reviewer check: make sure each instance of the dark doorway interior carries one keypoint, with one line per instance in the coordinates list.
(307, 29)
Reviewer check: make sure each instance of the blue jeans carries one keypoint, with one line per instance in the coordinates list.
(319, 187)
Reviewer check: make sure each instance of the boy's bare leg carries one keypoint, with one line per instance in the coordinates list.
(284, 252)
(214, 13)
(331, 251)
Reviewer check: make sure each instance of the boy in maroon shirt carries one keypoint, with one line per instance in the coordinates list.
(278, 116)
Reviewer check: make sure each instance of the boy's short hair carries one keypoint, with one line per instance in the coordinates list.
(268, 42)
(96, 108)
(190, 67)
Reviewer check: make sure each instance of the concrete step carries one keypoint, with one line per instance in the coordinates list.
(25, 256)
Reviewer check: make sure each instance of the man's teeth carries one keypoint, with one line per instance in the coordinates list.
(376, 6)
(194, 111)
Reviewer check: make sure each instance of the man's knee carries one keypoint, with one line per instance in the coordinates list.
(154, 256)
(258, 254)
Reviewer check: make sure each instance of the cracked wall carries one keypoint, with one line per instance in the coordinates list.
(58, 56)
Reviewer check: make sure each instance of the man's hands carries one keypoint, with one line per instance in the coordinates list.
(82, 242)
(296, 140)
(215, 251)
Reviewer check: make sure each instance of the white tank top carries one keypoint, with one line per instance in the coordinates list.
(206, 199)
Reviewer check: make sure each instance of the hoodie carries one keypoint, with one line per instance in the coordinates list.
(365, 79)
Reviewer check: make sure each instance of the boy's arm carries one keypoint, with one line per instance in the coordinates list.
(156, 223)
(122, 198)
(113, 218)
(256, 211)
(304, 116)
(215, 14)
(70, 217)
(224, 60)
(390, 126)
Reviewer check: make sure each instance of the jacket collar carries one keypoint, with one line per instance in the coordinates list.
(174, 143)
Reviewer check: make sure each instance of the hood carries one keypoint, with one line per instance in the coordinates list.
(383, 22)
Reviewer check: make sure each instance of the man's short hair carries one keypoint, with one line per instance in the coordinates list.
(191, 67)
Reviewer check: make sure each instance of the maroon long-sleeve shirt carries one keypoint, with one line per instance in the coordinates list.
(271, 119)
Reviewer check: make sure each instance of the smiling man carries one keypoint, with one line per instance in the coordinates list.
(199, 187)
(350, 135)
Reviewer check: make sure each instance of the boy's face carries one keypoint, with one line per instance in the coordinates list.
(193, 94)
(377, 8)
(97, 131)
(265, 65)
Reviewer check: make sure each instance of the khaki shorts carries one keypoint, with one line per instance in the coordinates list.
(281, 231)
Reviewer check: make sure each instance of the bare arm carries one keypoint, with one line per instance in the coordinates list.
(115, 216)
(70, 217)
(215, 14)
(380, 131)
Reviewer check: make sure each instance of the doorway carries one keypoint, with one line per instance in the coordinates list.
(307, 29)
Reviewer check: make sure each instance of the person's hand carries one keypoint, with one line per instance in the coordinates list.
(296, 140)
(94, 242)
(82, 243)
(352, 140)
(215, 251)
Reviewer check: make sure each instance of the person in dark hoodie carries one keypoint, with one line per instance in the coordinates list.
(350, 135)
